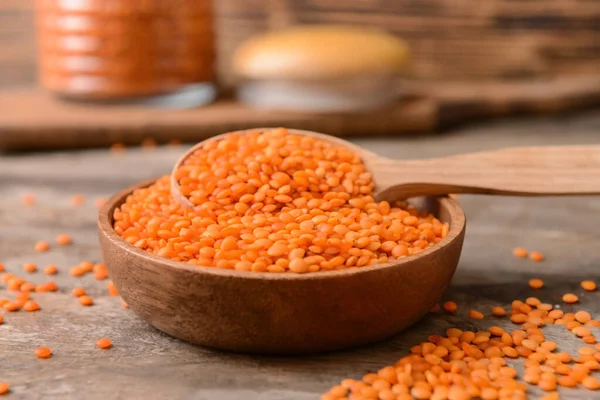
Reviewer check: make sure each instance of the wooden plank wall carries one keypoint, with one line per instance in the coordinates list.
(456, 40)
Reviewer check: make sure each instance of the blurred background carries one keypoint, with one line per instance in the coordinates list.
(467, 61)
(406, 79)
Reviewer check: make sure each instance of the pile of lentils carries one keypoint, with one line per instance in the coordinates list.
(273, 201)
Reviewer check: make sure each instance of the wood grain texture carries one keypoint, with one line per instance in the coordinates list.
(146, 364)
(457, 40)
(260, 312)
(32, 119)
(517, 171)
(452, 41)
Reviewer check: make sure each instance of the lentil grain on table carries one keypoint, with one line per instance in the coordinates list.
(179, 371)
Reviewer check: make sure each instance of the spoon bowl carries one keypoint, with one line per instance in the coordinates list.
(261, 312)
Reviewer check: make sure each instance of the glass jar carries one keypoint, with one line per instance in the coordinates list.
(158, 50)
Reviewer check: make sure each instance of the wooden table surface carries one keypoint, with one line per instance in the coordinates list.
(146, 364)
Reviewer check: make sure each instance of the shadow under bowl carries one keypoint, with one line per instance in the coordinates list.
(255, 312)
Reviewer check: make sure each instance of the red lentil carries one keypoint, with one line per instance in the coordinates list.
(85, 300)
(520, 252)
(583, 316)
(78, 292)
(43, 352)
(274, 192)
(86, 266)
(536, 283)
(30, 268)
(11, 306)
(474, 314)
(50, 269)
(77, 271)
(100, 272)
(64, 239)
(450, 306)
(1, 319)
(570, 298)
(31, 305)
(104, 343)
(4, 388)
(536, 256)
(498, 311)
(42, 246)
(112, 290)
(590, 286)
(591, 383)
(1, 267)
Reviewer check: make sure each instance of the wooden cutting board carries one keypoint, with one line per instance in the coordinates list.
(31, 119)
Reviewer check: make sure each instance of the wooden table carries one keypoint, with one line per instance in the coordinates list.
(146, 364)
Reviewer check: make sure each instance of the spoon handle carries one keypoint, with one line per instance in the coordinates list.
(521, 171)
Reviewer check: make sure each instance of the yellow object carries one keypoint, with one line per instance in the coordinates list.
(321, 52)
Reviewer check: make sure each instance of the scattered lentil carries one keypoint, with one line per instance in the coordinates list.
(100, 272)
(64, 239)
(536, 256)
(590, 286)
(77, 271)
(450, 306)
(42, 246)
(30, 268)
(498, 311)
(86, 266)
(43, 352)
(536, 283)
(474, 362)
(474, 314)
(31, 305)
(104, 343)
(51, 269)
(4, 388)
(520, 252)
(85, 300)
(78, 292)
(11, 306)
(570, 298)
(112, 290)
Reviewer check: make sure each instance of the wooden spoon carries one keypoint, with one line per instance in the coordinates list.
(519, 171)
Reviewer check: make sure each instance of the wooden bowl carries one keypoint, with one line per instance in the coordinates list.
(261, 312)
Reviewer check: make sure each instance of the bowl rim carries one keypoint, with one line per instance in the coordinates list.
(105, 227)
